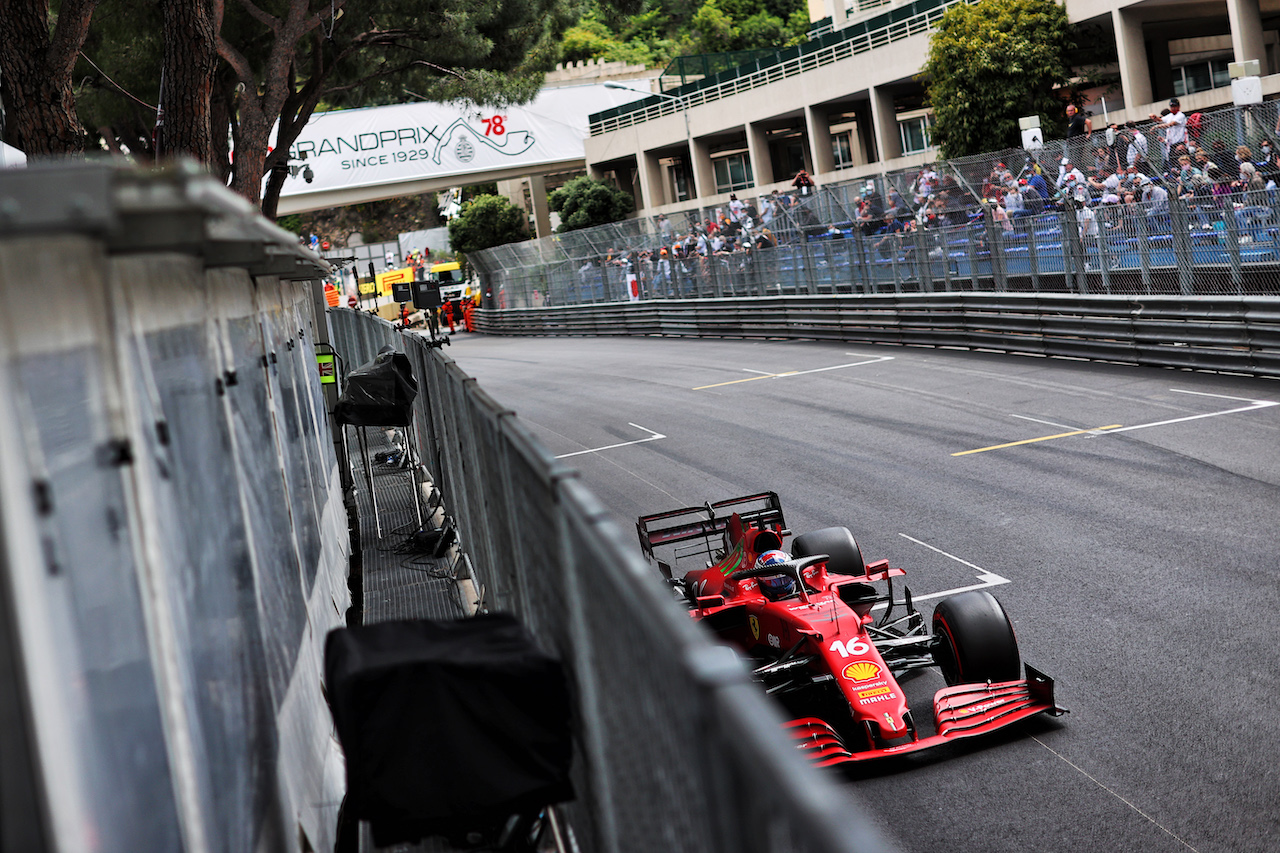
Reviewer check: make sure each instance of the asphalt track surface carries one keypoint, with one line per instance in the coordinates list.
(1127, 518)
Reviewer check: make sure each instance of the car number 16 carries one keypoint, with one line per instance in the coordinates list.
(856, 648)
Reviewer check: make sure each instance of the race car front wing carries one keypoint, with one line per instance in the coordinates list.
(963, 711)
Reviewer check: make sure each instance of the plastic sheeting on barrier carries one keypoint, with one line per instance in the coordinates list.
(173, 543)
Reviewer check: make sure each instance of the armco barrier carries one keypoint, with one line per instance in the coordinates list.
(675, 749)
(1228, 334)
(173, 542)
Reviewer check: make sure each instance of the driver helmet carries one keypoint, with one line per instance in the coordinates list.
(778, 586)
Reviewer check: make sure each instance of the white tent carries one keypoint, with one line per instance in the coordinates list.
(10, 156)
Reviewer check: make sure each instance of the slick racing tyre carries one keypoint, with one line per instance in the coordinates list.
(974, 640)
(836, 542)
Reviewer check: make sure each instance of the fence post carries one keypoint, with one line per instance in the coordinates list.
(1033, 257)
(1181, 243)
(1073, 250)
(810, 267)
(863, 272)
(1233, 244)
(1104, 246)
(995, 248)
(972, 251)
(1144, 250)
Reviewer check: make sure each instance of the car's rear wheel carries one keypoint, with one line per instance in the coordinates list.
(837, 543)
(974, 639)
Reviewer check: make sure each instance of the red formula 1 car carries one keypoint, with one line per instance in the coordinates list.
(805, 622)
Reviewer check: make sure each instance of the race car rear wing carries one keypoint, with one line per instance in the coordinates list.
(707, 521)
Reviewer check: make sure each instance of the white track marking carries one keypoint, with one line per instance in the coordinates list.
(653, 436)
(1219, 396)
(763, 375)
(1042, 421)
(1108, 430)
(1254, 404)
(1086, 775)
(1060, 426)
(875, 360)
(988, 579)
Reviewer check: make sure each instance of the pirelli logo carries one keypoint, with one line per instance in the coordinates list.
(867, 694)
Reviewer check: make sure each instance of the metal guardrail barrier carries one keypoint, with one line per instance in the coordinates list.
(1229, 334)
(173, 542)
(669, 725)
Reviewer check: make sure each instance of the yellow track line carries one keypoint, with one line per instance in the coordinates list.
(1034, 440)
(748, 379)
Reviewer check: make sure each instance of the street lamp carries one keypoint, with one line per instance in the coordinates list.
(684, 111)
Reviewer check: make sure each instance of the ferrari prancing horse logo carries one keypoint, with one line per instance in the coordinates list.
(755, 626)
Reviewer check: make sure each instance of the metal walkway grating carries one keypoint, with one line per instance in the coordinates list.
(400, 582)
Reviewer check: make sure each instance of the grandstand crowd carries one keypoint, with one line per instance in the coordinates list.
(1108, 178)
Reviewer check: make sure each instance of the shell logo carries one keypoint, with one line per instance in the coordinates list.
(863, 670)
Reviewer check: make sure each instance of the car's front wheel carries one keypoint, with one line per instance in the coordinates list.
(974, 640)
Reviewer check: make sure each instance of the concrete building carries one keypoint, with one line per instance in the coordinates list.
(848, 103)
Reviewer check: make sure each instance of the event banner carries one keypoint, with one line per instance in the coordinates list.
(405, 142)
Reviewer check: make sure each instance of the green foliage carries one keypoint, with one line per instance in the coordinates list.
(716, 31)
(724, 25)
(486, 221)
(291, 222)
(991, 63)
(664, 29)
(585, 202)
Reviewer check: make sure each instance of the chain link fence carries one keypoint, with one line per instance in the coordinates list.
(1188, 208)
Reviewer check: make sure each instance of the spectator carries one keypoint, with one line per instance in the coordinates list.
(1039, 186)
(803, 183)
(1202, 161)
(1103, 161)
(926, 183)
(1001, 215)
(1266, 156)
(1156, 198)
(1013, 202)
(1136, 152)
(1112, 182)
(1033, 201)
(1249, 179)
(1132, 176)
(1174, 124)
(736, 207)
(1067, 173)
(890, 234)
(1079, 129)
(897, 205)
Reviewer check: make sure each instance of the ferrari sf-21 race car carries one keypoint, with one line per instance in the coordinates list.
(805, 623)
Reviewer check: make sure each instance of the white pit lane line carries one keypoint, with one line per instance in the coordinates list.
(760, 374)
(653, 436)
